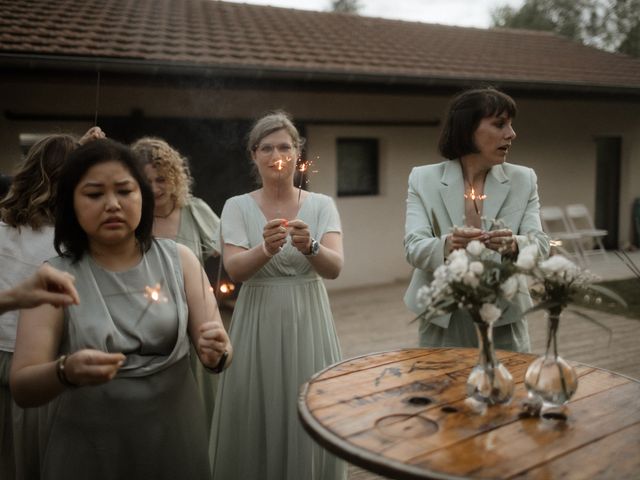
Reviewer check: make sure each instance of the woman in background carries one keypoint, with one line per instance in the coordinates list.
(282, 327)
(473, 195)
(26, 240)
(184, 218)
(116, 364)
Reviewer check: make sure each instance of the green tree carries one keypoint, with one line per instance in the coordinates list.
(346, 6)
(609, 24)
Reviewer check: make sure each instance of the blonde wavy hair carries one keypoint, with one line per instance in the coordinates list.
(31, 200)
(169, 163)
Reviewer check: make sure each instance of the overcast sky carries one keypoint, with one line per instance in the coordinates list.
(466, 13)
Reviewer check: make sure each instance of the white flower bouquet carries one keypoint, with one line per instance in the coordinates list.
(557, 283)
(471, 280)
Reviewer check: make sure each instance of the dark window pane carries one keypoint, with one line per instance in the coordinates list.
(357, 166)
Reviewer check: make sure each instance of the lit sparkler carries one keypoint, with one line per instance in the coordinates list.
(473, 196)
(153, 294)
(279, 164)
(303, 168)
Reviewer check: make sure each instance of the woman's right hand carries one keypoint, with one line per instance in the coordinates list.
(92, 367)
(275, 235)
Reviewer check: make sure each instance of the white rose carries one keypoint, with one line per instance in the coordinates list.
(475, 248)
(557, 264)
(510, 287)
(459, 266)
(441, 273)
(490, 313)
(470, 279)
(457, 254)
(527, 257)
(423, 296)
(476, 267)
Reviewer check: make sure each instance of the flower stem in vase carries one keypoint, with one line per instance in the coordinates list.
(489, 382)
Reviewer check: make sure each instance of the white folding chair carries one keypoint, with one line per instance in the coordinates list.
(556, 226)
(581, 222)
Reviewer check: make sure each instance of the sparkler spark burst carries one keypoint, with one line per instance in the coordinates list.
(474, 197)
(303, 166)
(154, 294)
(227, 287)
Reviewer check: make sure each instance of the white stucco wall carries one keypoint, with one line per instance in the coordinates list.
(555, 137)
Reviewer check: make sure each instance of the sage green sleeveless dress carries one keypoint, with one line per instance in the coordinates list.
(282, 333)
(148, 422)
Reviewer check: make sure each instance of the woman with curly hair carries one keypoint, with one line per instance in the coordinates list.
(26, 240)
(184, 218)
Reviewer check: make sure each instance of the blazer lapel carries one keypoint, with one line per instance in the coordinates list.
(452, 192)
(496, 187)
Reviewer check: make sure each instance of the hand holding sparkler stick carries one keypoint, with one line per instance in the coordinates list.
(501, 241)
(300, 236)
(461, 236)
(206, 330)
(88, 367)
(274, 234)
(213, 342)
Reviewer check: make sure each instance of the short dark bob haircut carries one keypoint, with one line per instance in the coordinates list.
(465, 112)
(69, 238)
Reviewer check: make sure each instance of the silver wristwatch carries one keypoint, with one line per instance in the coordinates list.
(315, 248)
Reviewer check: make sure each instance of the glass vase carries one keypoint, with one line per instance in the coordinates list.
(489, 382)
(549, 377)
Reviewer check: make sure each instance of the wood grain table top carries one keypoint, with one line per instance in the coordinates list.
(405, 414)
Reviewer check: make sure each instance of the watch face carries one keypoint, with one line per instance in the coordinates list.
(315, 246)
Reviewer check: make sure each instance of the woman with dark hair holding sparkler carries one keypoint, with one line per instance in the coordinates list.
(473, 195)
(282, 326)
(116, 366)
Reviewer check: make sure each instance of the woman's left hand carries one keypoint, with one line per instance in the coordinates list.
(300, 236)
(213, 342)
(501, 241)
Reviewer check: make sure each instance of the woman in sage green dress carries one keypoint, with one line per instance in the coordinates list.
(115, 367)
(184, 218)
(282, 327)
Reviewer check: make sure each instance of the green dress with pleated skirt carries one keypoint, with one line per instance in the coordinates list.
(282, 332)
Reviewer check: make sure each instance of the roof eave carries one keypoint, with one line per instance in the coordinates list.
(30, 62)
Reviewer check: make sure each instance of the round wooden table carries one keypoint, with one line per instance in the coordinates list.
(404, 414)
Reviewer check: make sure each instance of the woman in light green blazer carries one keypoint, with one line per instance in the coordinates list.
(474, 195)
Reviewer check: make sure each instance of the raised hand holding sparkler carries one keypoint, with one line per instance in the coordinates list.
(274, 234)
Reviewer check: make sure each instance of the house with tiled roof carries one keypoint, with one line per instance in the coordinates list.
(368, 94)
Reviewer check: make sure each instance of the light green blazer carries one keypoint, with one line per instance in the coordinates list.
(435, 204)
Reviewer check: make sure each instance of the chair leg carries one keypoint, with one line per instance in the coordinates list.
(602, 249)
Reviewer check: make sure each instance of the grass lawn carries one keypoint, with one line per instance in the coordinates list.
(629, 290)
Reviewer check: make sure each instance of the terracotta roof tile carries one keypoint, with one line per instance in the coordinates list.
(227, 35)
